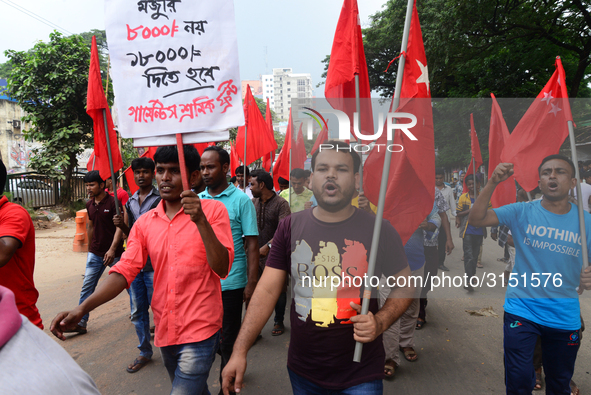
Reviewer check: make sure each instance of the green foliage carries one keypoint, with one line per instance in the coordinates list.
(477, 47)
(49, 82)
(5, 69)
(128, 152)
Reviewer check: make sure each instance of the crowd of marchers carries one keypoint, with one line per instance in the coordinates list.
(197, 257)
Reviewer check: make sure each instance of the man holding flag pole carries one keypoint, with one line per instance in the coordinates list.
(409, 176)
(550, 268)
(325, 319)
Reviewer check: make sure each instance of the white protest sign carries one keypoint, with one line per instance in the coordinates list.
(175, 69)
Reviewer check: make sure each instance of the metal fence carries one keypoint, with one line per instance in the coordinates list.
(37, 190)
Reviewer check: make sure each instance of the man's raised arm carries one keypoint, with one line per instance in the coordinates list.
(480, 216)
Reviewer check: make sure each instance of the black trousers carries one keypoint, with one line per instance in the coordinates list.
(472, 245)
(431, 267)
(232, 301)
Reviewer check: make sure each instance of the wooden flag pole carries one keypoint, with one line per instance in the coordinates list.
(377, 229)
(358, 105)
(183, 166)
(113, 178)
(573, 149)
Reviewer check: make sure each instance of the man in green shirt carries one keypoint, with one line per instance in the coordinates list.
(299, 193)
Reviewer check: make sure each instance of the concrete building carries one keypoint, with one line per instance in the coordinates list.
(14, 150)
(284, 85)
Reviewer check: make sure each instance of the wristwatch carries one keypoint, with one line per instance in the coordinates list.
(269, 245)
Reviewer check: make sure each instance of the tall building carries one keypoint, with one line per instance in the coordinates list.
(284, 85)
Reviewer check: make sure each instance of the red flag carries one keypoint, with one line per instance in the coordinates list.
(234, 160)
(281, 168)
(149, 153)
(322, 137)
(89, 164)
(505, 192)
(411, 184)
(347, 59)
(475, 150)
(298, 154)
(270, 157)
(540, 132)
(202, 146)
(260, 142)
(96, 102)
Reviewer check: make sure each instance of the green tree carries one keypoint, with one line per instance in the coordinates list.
(5, 69)
(49, 82)
(477, 47)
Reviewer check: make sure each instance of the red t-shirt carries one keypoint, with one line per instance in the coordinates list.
(17, 274)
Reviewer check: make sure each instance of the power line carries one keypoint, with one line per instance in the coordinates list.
(35, 16)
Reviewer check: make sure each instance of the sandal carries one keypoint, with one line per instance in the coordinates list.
(420, 324)
(278, 329)
(479, 265)
(389, 369)
(409, 354)
(138, 364)
(539, 382)
(574, 390)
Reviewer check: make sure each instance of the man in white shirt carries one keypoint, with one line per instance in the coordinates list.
(448, 194)
(240, 180)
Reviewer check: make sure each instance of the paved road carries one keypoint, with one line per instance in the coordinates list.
(458, 353)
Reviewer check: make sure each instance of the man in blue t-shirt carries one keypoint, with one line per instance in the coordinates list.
(542, 298)
(239, 286)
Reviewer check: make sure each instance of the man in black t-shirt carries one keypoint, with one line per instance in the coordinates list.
(105, 244)
(319, 248)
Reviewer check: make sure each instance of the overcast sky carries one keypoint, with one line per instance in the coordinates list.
(296, 34)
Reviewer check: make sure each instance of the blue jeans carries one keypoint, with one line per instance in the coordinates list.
(94, 271)
(141, 290)
(188, 365)
(303, 386)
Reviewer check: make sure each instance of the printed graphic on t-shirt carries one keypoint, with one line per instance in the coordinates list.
(327, 282)
(557, 240)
